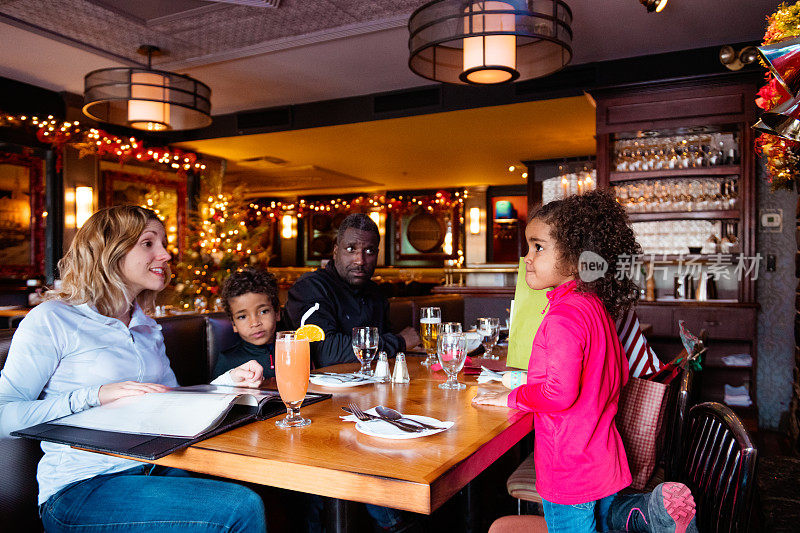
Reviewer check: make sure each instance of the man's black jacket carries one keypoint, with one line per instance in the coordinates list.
(342, 307)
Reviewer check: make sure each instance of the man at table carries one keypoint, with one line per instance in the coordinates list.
(347, 297)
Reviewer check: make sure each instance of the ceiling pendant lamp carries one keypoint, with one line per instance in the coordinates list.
(146, 98)
(489, 42)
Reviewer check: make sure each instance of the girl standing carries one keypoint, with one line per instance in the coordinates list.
(578, 366)
(89, 344)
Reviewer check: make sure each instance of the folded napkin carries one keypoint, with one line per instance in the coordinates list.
(341, 380)
(510, 378)
(737, 396)
(380, 428)
(487, 375)
(738, 359)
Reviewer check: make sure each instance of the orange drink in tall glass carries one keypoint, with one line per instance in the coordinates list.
(292, 367)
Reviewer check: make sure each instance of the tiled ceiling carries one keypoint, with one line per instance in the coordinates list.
(190, 29)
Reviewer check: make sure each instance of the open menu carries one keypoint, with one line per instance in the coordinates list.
(180, 412)
(153, 425)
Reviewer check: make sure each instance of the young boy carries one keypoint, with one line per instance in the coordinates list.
(251, 301)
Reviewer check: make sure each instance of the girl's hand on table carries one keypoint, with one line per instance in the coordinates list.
(114, 391)
(249, 374)
(498, 398)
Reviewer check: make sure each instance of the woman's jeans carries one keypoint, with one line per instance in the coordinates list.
(578, 518)
(153, 499)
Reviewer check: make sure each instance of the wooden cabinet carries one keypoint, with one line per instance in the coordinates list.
(679, 157)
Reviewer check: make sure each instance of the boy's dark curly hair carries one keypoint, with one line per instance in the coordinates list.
(249, 279)
(594, 222)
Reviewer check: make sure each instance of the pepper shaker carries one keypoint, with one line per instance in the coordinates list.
(382, 368)
(400, 374)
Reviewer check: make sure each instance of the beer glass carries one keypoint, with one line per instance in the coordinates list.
(292, 367)
(429, 320)
(365, 346)
(489, 330)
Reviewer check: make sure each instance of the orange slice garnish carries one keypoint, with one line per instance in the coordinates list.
(312, 332)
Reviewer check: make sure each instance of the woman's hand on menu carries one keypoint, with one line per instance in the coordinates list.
(499, 399)
(114, 391)
(249, 374)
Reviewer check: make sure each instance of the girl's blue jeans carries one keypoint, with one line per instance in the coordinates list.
(153, 499)
(578, 518)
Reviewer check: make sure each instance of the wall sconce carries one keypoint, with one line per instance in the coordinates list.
(654, 5)
(447, 245)
(380, 220)
(475, 220)
(288, 227)
(735, 61)
(84, 205)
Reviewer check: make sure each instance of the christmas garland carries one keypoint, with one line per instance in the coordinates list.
(94, 141)
(782, 155)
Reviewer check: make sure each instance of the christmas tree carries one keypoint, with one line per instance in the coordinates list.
(225, 234)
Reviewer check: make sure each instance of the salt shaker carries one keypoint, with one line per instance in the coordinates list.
(382, 368)
(400, 374)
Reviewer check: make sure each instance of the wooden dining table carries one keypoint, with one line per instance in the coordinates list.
(331, 458)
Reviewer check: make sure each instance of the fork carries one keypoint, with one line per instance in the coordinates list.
(361, 415)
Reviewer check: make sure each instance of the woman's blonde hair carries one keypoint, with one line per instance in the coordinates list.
(91, 271)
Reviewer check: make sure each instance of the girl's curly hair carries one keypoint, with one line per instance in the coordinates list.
(246, 280)
(594, 222)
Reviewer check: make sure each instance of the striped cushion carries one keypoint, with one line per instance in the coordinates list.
(642, 360)
(522, 483)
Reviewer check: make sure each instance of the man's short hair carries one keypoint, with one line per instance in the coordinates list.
(247, 280)
(359, 221)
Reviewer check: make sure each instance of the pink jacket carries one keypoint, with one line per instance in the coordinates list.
(575, 374)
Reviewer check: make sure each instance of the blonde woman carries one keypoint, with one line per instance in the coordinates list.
(88, 344)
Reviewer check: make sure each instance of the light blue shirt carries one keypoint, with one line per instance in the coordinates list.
(59, 357)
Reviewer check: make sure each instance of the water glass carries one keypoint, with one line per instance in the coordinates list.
(452, 354)
(447, 327)
(365, 346)
(430, 318)
(292, 367)
(489, 330)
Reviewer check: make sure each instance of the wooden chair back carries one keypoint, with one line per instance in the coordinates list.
(718, 463)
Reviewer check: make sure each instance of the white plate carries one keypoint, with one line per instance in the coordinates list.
(332, 382)
(385, 430)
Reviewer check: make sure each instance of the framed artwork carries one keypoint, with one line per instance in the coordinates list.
(22, 216)
(164, 194)
(320, 234)
(426, 235)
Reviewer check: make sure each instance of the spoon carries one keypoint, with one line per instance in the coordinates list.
(391, 414)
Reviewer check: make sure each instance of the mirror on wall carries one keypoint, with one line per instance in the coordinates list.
(21, 215)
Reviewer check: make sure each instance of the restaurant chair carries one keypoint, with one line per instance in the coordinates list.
(18, 488)
(718, 463)
(519, 524)
(186, 345)
(220, 335)
(521, 483)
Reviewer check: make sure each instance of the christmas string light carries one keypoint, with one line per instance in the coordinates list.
(441, 201)
(94, 141)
